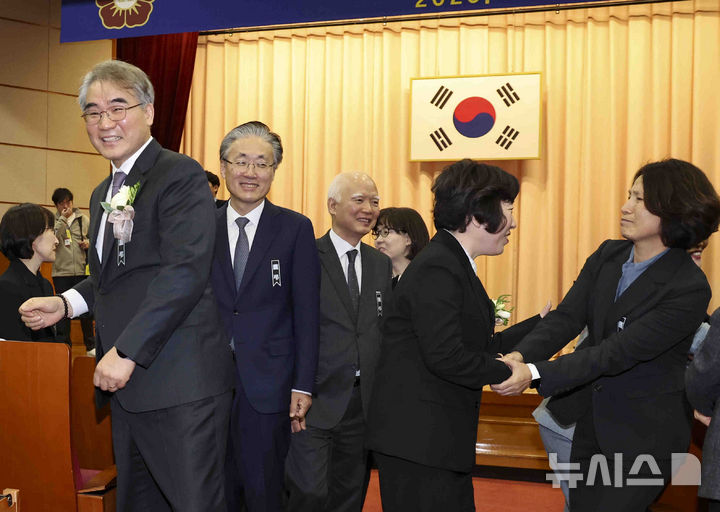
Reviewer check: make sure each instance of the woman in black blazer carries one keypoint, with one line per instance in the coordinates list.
(438, 348)
(27, 239)
(400, 234)
(642, 299)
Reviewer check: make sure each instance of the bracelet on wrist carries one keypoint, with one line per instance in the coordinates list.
(65, 305)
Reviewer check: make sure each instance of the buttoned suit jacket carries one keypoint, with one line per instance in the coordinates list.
(273, 317)
(629, 372)
(342, 340)
(703, 389)
(438, 351)
(158, 308)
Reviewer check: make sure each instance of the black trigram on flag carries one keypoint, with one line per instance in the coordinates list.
(508, 94)
(441, 97)
(440, 138)
(507, 137)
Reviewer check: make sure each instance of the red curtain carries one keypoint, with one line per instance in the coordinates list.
(169, 61)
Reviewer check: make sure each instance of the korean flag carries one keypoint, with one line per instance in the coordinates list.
(485, 117)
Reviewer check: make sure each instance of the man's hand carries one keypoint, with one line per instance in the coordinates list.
(66, 212)
(514, 355)
(84, 244)
(518, 382)
(113, 372)
(705, 420)
(40, 312)
(544, 311)
(299, 405)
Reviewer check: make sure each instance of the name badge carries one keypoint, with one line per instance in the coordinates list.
(275, 273)
(378, 302)
(621, 324)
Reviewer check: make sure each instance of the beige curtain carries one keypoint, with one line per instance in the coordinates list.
(622, 86)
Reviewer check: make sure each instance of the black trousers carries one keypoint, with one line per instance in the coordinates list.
(327, 469)
(63, 284)
(406, 486)
(172, 459)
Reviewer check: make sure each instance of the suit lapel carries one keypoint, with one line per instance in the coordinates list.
(142, 165)
(96, 213)
(265, 233)
(607, 280)
(645, 286)
(370, 269)
(330, 261)
(222, 250)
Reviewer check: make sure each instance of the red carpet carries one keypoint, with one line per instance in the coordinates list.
(493, 496)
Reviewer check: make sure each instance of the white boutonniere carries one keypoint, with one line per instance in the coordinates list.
(121, 213)
(502, 312)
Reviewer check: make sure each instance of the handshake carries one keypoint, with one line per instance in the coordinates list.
(521, 376)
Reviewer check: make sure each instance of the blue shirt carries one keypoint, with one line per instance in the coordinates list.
(631, 271)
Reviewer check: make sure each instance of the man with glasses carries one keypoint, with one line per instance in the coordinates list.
(266, 278)
(163, 361)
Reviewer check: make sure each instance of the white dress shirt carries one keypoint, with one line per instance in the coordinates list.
(342, 247)
(253, 217)
(79, 306)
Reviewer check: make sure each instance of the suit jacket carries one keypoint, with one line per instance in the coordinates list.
(274, 322)
(18, 284)
(629, 372)
(342, 340)
(158, 308)
(703, 389)
(438, 352)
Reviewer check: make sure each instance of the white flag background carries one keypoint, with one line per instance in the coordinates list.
(488, 117)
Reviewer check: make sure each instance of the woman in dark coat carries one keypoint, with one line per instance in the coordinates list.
(27, 239)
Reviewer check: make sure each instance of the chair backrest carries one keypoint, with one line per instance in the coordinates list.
(35, 450)
(91, 428)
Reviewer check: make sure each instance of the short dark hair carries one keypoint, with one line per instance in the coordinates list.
(19, 228)
(60, 195)
(466, 190)
(684, 199)
(405, 220)
(212, 178)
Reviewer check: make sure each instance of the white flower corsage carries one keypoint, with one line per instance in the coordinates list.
(121, 213)
(502, 312)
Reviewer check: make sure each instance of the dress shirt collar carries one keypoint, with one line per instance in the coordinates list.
(472, 261)
(341, 246)
(253, 215)
(128, 164)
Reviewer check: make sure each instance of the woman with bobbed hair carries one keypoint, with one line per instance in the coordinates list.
(438, 349)
(400, 234)
(642, 299)
(27, 239)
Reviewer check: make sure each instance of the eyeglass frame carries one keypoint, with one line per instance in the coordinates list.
(378, 233)
(107, 112)
(247, 165)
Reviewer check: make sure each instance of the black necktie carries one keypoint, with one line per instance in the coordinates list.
(242, 250)
(353, 285)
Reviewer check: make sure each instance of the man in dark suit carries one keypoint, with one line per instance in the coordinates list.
(266, 278)
(642, 299)
(161, 354)
(327, 464)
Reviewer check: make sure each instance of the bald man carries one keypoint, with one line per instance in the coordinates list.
(326, 467)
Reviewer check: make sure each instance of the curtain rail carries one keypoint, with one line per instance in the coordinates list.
(418, 17)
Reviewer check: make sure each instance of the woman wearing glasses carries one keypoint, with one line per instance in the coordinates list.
(27, 239)
(400, 234)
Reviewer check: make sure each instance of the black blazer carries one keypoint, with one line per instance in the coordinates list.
(438, 352)
(342, 340)
(17, 285)
(158, 308)
(629, 372)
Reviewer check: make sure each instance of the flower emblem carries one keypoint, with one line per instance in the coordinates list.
(124, 13)
(502, 312)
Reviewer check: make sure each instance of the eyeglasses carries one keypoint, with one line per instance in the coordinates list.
(383, 232)
(114, 114)
(242, 165)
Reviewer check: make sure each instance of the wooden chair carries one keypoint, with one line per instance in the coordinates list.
(35, 438)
